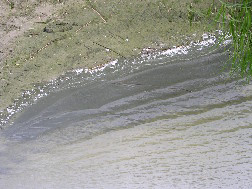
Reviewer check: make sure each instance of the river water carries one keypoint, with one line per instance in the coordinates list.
(171, 119)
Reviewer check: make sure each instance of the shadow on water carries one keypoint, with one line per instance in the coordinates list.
(165, 120)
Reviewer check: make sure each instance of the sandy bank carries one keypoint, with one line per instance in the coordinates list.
(42, 40)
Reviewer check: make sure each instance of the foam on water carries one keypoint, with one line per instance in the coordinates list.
(30, 97)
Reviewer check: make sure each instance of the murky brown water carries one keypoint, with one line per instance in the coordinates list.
(160, 121)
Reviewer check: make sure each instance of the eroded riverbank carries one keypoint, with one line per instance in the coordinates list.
(65, 35)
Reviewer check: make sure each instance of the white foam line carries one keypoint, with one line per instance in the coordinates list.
(207, 40)
(95, 69)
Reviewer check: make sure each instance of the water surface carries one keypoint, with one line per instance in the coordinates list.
(166, 120)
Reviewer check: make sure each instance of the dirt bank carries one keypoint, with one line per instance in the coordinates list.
(40, 40)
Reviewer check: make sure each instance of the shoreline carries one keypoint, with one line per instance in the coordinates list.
(74, 41)
(30, 97)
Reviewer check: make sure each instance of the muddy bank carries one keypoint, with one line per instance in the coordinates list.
(41, 40)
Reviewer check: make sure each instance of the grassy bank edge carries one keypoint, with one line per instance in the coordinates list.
(99, 33)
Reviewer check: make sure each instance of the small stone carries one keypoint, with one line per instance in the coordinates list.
(48, 30)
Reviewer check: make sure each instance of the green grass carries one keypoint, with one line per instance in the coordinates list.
(10, 3)
(234, 19)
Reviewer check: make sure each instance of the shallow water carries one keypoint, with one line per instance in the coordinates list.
(165, 120)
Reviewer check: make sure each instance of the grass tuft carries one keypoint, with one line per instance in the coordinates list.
(235, 19)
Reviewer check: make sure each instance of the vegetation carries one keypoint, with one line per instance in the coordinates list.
(11, 4)
(235, 20)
